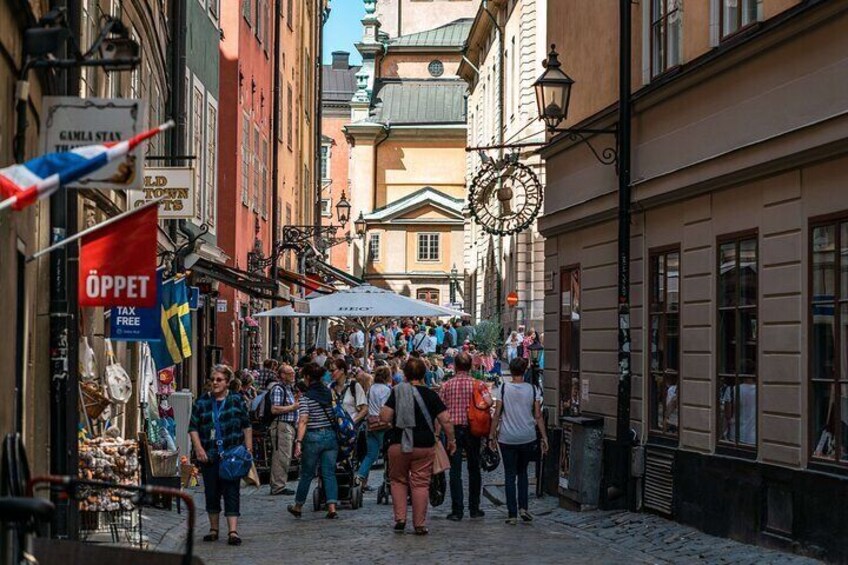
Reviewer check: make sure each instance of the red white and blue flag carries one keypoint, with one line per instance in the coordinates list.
(21, 185)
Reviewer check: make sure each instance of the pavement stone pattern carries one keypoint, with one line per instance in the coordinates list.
(557, 535)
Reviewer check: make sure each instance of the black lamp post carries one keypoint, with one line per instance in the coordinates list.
(453, 284)
(536, 350)
(553, 94)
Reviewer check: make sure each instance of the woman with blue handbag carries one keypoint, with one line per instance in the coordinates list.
(223, 444)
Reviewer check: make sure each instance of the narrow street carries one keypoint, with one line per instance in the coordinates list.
(271, 535)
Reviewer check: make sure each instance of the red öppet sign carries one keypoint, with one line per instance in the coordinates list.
(118, 263)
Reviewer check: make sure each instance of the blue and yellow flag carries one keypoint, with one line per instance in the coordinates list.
(175, 344)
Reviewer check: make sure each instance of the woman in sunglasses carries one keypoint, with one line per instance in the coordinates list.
(219, 421)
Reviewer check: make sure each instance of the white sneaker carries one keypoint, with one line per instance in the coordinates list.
(525, 515)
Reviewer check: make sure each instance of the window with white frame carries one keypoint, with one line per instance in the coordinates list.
(325, 162)
(245, 160)
(197, 127)
(264, 204)
(428, 247)
(666, 32)
(211, 162)
(257, 169)
(326, 207)
(737, 14)
(374, 247)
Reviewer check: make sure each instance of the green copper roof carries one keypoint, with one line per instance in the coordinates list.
(419, 102)
(448, 35)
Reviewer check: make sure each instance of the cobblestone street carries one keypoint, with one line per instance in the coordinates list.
(271, 535)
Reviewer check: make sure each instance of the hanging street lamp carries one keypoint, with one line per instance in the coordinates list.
(553, 91)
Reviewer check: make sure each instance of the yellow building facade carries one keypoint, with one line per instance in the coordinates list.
(407, 169)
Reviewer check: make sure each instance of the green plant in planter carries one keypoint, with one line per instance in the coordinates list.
(487, 336)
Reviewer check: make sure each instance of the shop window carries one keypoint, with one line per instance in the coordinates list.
(428, 247)
(664, 360)
(374, 247)
(666, 33)
(737, 14)
(737, 341)
(430, 295)
(828, 314)
(569, 340)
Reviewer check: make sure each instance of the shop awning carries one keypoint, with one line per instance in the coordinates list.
(253, 284)
(310, 283)
(338, 274)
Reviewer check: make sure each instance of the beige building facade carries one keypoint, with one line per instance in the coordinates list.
(509, 40)
(407, 138)
(739, 153)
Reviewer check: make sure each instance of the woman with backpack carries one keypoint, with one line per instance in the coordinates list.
(219, 422)
(415, 412)
(316, 442)
(516, 418)
(348, 392)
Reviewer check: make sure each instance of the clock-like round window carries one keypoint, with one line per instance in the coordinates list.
(436, 68)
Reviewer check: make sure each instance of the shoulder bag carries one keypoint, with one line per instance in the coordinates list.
(235, 462)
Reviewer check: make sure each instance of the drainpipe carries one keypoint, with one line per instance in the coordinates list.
(624, 437)
(386, 131)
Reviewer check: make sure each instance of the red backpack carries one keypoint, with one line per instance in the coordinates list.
(479, 412)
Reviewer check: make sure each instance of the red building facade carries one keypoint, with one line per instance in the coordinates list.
(244, 170)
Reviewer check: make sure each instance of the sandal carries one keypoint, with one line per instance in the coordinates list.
(211, 536)
(332, 515)
(233, 538)
(400, 527)
(421, 531)
(294, 511)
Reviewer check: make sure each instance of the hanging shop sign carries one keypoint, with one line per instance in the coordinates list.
(131, 323)
(71, 122)
(175, 185)
(117, 263)
(505, 196)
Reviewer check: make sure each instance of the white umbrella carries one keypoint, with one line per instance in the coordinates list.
(365, 305)
(365, 301)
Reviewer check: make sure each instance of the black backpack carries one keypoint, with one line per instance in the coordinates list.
(263, 412)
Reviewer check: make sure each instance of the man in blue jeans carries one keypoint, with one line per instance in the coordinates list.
(458, 394)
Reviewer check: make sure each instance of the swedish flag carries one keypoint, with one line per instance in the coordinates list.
(175, 344)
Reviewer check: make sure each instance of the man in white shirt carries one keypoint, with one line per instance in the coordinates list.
(357, 339)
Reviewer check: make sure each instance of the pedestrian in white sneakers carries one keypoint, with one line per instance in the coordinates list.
(517, 416)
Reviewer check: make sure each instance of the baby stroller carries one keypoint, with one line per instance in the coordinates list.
(350, 489)
(384, 493)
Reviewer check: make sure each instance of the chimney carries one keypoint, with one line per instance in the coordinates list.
(341, 60)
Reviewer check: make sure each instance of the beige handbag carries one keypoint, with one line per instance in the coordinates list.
(441, 461)
(120, 386)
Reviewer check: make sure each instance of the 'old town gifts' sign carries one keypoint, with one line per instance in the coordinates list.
(174, 184)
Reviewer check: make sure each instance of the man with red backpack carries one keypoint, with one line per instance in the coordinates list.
(468, 401)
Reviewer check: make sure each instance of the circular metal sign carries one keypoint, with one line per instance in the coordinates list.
(505, 197)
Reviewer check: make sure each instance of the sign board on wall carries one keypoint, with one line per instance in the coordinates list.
(71, 122)
(175, 184)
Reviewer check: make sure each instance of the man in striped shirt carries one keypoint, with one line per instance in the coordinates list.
(285, 407)
(458, 394)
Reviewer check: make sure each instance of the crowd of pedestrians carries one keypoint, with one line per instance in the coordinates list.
(408, 392)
